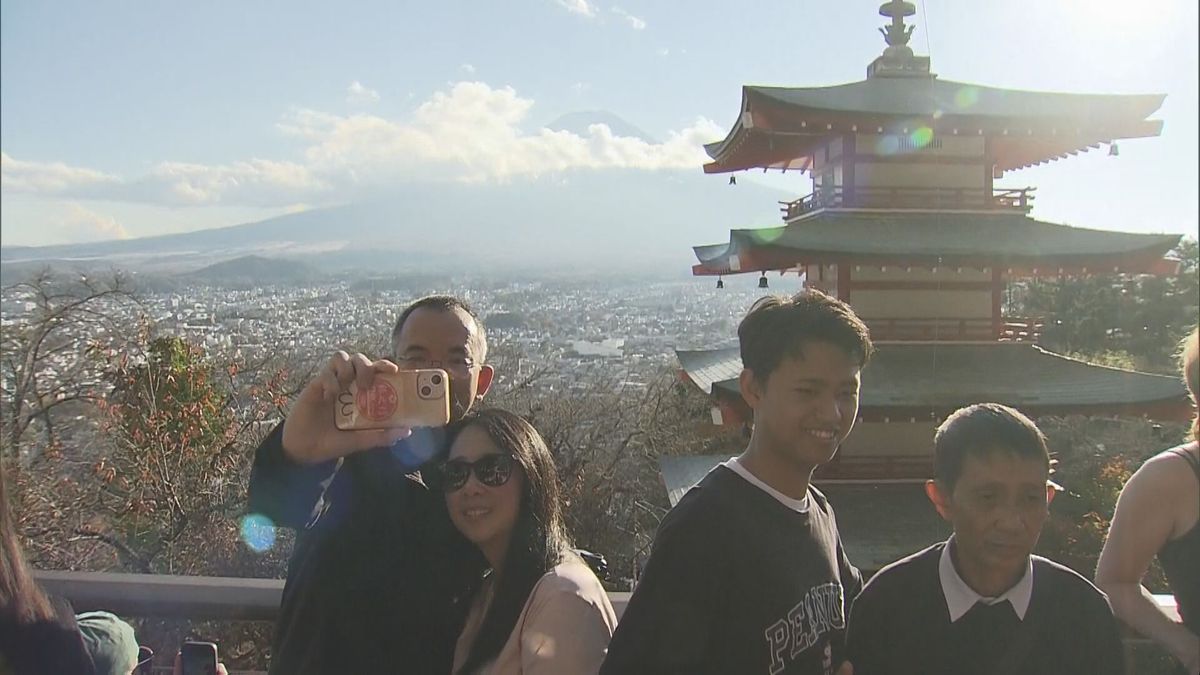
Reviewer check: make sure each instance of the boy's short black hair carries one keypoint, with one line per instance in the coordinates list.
(777, 326)
(982, 429)
(444, 303)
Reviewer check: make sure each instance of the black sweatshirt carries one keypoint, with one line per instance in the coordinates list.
(377, 567)
(900, 625)
(738, 583)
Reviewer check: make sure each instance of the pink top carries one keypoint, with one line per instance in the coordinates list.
(564, 628)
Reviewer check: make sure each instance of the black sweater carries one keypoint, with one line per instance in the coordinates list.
(900, 625)
(377, 565)
(738, 583)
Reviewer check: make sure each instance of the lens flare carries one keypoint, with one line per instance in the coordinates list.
(921, 137)
(887, 145)
(258, 532)
(966, 97)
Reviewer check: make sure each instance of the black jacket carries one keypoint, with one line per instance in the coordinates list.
(374, 580)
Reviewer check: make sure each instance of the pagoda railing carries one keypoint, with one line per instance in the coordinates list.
(893, 467)
(1011, 329)
(1020, 199)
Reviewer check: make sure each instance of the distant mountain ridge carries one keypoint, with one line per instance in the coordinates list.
(257, 269)
(616, 220)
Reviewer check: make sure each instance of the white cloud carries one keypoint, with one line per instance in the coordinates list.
(664, 51)
(472, 132)
(80, 224)
(469, 132)
(634, 22)
(580, 7)
(49, 177)
(253, 182)
(467, 68)
(357, 94)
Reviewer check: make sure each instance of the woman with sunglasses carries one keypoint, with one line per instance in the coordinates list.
(539, 608)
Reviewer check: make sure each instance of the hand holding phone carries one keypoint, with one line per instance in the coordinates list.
(199, 658)
(311, 433)
(408, 398)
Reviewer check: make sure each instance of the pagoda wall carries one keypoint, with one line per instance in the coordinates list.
(890, 439)
(869, 174)
(900, 161)
(921, 304)
(915, 302)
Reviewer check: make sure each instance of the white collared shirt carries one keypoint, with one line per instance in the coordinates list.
(797, 505)
(960, 597)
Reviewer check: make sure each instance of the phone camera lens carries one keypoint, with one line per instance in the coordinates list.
(426, 390)
(436, 380)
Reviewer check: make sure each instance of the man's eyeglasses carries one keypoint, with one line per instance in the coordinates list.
(145, 662)
(458, 366)
(491, 470)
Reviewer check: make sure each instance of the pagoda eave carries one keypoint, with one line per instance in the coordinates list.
(1012, 146)
(1012, 242)
(780, 128)
(783, 260)
(898, 386)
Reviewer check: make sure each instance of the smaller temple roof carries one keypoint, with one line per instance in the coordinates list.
(924, 376)
(870, 542)
(940, 238)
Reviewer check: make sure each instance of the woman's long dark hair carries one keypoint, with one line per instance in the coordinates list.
(21, 600)
(539, 538)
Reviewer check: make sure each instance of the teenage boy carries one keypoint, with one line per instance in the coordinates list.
(747, 572)
(372, 580)
(980, 602)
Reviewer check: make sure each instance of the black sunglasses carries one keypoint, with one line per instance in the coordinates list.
(491, 470)
(145, 662)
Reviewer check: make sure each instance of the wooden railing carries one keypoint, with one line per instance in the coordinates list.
(899, 467)
(1013, 329)
(910, 198)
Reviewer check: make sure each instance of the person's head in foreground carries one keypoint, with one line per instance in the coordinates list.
(110, 642)
(502, 493)
(992, 471)
(801, 358)
(441, 331)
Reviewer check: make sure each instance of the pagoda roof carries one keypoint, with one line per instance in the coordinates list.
(964, 239)
(943, 376)
(779, 127)
(912, 522)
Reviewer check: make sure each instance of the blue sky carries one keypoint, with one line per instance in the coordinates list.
(128, 119)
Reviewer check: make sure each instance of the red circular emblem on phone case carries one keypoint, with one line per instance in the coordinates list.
(379, 402)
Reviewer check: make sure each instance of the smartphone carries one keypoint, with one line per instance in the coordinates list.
(409, 398)
(199, 658)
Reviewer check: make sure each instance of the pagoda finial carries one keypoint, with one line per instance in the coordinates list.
(898, 59)
(897, 34)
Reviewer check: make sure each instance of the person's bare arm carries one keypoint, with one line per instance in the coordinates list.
(1144, 521)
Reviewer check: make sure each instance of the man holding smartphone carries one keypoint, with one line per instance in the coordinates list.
(373, 578)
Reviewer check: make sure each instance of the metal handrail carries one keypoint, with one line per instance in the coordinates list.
(183, 597)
